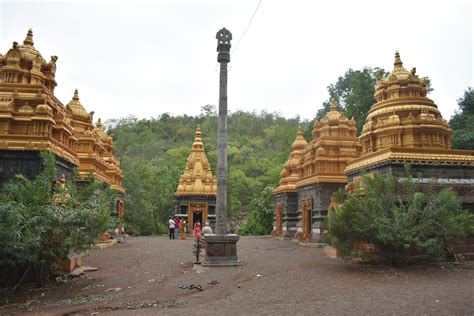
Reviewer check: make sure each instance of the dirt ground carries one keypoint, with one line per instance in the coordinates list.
(141, 277)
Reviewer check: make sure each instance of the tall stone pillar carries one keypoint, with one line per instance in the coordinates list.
(221, 248)
(223, 57)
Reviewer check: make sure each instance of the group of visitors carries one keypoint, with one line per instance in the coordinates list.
(177, 225)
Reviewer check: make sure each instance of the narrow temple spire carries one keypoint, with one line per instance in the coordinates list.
(29, 38)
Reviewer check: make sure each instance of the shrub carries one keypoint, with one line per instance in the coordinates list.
(260, 220)
(37, 227)
(400, 219)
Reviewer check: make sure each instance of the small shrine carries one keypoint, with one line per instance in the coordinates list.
(403, 127)
(195, 197)
(285, 195)
(32, 120)
(312, 174)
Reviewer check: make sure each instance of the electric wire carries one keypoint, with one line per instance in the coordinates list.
(245, 31)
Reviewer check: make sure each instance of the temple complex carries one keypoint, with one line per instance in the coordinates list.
(403, 127)
(406, 127)
(312, 174)
(195, 197)
(33, 120)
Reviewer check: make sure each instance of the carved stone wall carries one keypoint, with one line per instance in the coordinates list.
(289, 213)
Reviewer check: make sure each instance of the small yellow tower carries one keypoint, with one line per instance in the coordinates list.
(195, 197)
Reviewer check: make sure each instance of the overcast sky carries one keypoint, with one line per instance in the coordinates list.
(145, 58)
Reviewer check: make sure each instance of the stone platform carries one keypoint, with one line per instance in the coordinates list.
(221, 251)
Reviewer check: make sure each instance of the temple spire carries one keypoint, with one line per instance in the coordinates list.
(76, 95)
(398, 61)
(333, 106)
(29, 38)
(99, 123)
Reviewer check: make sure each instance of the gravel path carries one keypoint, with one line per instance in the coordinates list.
(141, 277)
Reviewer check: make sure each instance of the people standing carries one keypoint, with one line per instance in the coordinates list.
(171, 226)
(197, 231)
(182, 226)
(176, 225)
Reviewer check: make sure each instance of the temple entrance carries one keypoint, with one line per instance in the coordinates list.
(197, 217)
(197, 212)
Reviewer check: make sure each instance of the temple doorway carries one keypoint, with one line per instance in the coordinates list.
(197, 212)
(197, 217)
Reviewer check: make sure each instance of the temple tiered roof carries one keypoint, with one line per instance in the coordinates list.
(405, 125)
(197, 178)
(334, 143)
(33, 119)
(291, 173)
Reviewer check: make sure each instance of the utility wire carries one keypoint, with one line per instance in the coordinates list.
(248, 25)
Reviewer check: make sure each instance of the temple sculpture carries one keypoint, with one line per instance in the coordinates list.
(195, 197)
(404, 127)
(33, 120)
(312, 174)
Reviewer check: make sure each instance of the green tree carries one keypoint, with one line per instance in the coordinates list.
(38, 227)
(462, 123)
(260, 219)
(399, 218)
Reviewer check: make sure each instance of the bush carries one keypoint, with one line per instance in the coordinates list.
(400, 220)
(40, 221)
(260, 219)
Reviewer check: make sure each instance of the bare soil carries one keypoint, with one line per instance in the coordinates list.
(141, 277)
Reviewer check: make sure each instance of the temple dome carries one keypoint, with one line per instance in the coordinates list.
(300, 142)
(403, 116)
(290, 173)
(76, 108)
(27, 50)
(100, 131)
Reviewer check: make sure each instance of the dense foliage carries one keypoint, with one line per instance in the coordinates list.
(399, 219)
(260, 220)
(40, 222)
(462, 123)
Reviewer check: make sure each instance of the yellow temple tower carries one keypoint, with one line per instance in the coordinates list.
(32, 120)
(286, 195)
(406, 127)
(195, 197)
(312, 174)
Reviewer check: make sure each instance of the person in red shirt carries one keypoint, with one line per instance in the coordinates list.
(197, 231)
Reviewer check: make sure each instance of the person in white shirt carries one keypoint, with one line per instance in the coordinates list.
(171, 226)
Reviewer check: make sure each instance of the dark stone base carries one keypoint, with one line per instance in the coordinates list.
(221, 251)
(29, 164)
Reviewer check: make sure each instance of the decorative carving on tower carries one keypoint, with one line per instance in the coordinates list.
(403, 116)
(197, 178)
(334, 144)
(291, 172)
(32, 119)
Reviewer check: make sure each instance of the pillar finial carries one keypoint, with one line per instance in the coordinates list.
(224, 36)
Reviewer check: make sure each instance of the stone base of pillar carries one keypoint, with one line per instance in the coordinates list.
(221, 251)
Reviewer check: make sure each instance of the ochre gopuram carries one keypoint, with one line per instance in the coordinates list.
(312, 174)
(32, 120)
(195, 197)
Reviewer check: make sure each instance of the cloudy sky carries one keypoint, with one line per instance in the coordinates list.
(145, 58)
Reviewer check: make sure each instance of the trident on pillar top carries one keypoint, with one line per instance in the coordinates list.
(224, 36)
